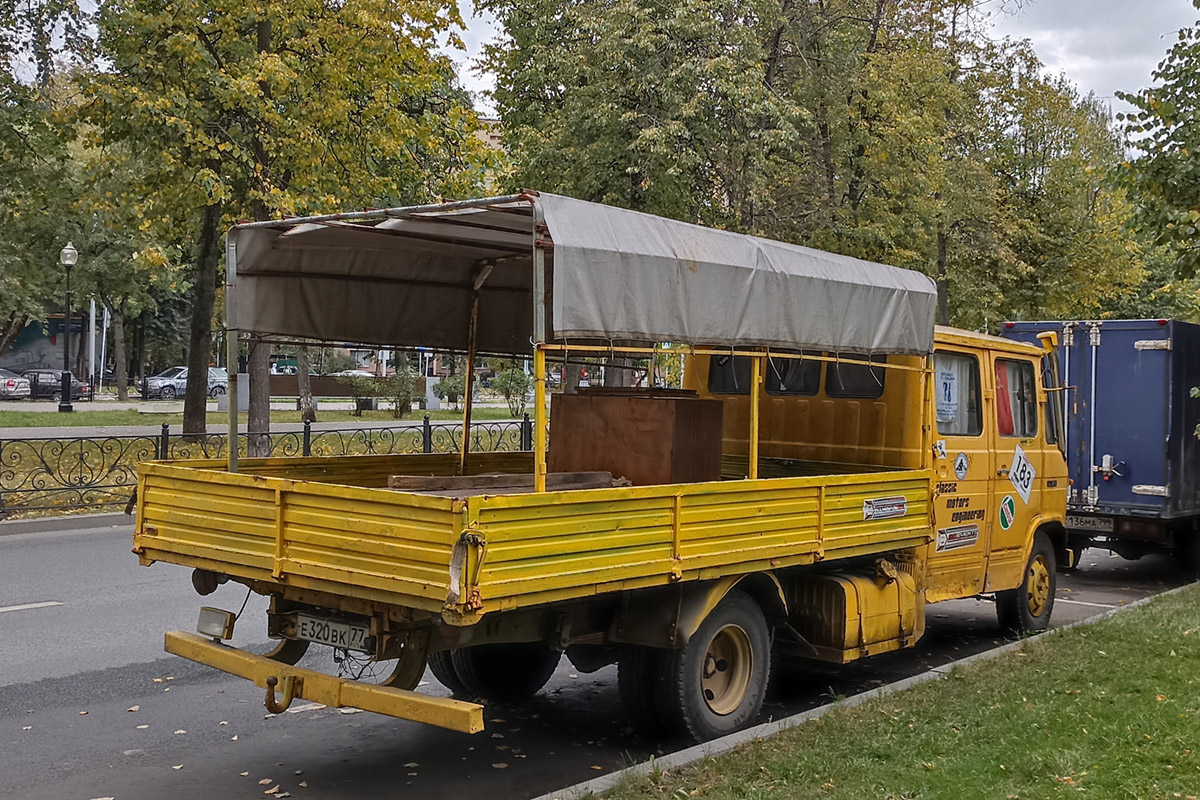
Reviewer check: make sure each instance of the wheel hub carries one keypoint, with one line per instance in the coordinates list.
(728, 665)
(1037, 586)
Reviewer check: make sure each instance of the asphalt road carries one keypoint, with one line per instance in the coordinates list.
(80, 647)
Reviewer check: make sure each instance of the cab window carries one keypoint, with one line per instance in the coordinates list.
(1016, 399)
(793, 376)
(956, 380)
(729, 374)
(855, 380)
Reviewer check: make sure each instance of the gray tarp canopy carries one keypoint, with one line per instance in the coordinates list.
(404, 277)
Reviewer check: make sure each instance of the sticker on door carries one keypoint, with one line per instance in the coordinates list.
(1022, 474)
(1008, 511)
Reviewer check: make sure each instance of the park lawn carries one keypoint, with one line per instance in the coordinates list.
(83, 418)
(1110, 710)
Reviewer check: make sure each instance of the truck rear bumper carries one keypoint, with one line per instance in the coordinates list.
(327, 689)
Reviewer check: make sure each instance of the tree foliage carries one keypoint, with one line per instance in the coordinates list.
(892, 130)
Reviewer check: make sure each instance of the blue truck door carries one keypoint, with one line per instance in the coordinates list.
(1123, 395)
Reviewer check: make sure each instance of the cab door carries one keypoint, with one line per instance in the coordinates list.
(964, 469)
(1016, 490)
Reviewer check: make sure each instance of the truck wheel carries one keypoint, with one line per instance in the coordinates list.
(505, 672)
(288, 651)
(637, 670)
(1027, 608)
(1188, 554)
(715, 684)
(441, 664)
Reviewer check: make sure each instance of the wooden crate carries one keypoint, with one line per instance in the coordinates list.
(647, 436)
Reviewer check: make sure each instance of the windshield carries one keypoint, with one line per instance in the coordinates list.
(173, 372)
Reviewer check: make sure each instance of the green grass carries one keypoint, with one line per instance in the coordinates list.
(39, 419)
(1110, 710)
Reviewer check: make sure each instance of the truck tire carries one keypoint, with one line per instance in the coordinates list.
(1027, 608)
(637, 671)
(506, 673)
(441, 664)
(1187, 552)
(715, 684)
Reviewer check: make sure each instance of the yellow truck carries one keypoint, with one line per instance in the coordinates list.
(831, 465)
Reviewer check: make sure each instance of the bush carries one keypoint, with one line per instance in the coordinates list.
(360, 387)
(450, 389)
(401, 388)
(513, 385)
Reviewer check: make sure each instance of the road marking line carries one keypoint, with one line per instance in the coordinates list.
(28, 606)
(1082, 603)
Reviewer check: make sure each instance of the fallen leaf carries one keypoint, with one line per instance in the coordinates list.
(83, 713)
(409, 765)
(170, 677)
(167, 689)
(158, 680)
(264, 782)
(181, 730)
(349, 710)
(222, 722)
(273, 790)
(597, 766)
(27, 728)
(299, 772)
(500, 765)
(1160, 698)
(103, 798)
(142, 727)
(497, 735)
(243, 774)
(134, 708)
(233, 738)
(496, 720)
(304, 784)
(177, 766)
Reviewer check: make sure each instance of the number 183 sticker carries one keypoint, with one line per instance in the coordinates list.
(1022, 474)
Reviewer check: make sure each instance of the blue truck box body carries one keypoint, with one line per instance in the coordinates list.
(1129, 397)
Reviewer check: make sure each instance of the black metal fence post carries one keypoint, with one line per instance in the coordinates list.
(426, 436)
(307, 438)
(164, 442)
(526, 433)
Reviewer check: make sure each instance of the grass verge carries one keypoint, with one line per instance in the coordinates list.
(83, 418)
(1110, 710)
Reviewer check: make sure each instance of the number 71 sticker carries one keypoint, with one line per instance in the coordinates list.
(1022, 474)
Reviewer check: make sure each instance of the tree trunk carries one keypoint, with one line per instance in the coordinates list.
(308, 411)
(258, 425)
(574, 374)
(615, 372)
(122, 368)
(10, 330)
(204, 290)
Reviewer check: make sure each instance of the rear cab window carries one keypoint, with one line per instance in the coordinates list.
(956, 382)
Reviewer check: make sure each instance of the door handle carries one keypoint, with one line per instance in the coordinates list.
(1002, 471)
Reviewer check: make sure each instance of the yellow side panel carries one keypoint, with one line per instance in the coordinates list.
(846, 617)
(571, 544)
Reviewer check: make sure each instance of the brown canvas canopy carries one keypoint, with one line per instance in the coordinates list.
(407, 277)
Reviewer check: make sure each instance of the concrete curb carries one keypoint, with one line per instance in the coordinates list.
(68, 522)
(716, 747)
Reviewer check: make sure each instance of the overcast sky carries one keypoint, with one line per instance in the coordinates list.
(1102, 45)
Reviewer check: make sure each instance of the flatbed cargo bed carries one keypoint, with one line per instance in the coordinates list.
(331, 525)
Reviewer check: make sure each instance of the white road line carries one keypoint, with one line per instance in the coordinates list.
(1082, 603)
(28, 606)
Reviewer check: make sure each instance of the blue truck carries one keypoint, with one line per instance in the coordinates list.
(1129, 434)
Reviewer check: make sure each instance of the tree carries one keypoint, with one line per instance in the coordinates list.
(285, 107)
(1165, 177)
(513, 384)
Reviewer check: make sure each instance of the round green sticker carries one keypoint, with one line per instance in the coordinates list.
(1008, 511)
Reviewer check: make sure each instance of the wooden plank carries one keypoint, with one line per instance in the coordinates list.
(476, 483)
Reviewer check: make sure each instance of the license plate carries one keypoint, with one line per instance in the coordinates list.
(1102, 524)
(331, 632)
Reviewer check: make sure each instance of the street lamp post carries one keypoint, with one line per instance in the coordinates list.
(67, 258)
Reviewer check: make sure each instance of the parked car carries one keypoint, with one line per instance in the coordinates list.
(13, 386)
(45, 383)
(172, 383)
(351, 373)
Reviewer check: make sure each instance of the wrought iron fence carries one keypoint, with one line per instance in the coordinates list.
(87, 472)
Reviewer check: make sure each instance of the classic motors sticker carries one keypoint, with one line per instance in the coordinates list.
(1008, 511)
(957, 537)
(885, 507)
